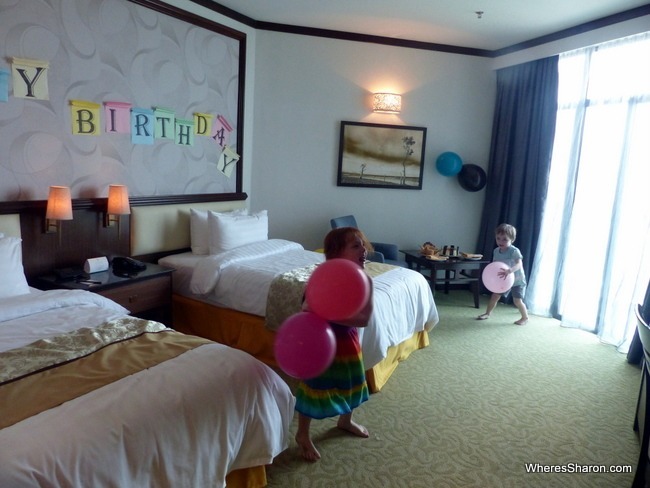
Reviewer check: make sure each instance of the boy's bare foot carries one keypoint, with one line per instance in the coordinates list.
(307, 449)
(483, 316)
(353, 427)
(522, 321)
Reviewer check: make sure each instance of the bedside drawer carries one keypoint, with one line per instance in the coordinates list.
(142, 295)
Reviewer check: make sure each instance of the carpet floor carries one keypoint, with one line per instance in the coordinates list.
(487, 404)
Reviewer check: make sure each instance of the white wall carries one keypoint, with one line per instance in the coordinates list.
(305, 86)
(299, 88)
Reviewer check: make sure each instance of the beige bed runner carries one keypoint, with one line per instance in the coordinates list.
(286, 292)
(50, 372)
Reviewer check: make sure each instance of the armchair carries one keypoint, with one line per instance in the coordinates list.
(384, 252)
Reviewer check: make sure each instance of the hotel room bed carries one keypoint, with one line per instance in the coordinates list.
(223, 295)
(130, 401)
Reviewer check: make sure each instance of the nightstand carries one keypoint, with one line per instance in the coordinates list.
(147, 294)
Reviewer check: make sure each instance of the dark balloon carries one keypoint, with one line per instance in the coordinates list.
(472, 177)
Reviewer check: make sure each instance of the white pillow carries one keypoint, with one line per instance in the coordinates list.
(231, 231)
(13, 281)
(199, 229)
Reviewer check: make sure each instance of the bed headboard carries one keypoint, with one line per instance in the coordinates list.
(10, 225)
(163, 229)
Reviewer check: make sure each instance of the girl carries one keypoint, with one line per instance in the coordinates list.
(342, 387)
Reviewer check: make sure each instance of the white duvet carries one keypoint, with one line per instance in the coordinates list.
(240, 279)
(185, 422)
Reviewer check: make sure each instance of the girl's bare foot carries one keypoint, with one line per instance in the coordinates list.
(307, 449)
(352, 427)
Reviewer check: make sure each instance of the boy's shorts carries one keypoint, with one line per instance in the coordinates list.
(518, 291)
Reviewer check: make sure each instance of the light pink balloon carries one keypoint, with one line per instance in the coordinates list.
(494, 282)
(337, 289)
(304, 345)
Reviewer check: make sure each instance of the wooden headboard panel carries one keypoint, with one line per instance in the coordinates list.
(160, 229)
(161, 225)
(10, 225)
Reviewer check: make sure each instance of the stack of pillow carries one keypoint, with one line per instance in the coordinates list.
(215, 232)
(12, 273)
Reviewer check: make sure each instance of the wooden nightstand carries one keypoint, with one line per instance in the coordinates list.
(147, 294)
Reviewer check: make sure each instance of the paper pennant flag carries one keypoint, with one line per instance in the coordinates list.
(165, 123)
(142, 126)
(184, 132)
(4, 85)
(202, 124)
(84, 117)
(30, 78)
(118, 117)
(227, 161)
(221, 131)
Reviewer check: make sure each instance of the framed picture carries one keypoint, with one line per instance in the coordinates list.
(381, 156)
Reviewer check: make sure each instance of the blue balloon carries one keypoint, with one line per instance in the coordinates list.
(449, 164)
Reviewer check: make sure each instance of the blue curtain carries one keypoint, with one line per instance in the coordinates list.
(520, 155)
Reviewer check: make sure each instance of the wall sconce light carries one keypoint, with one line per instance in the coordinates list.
(59, 207)
(118, 204)
(387, 103)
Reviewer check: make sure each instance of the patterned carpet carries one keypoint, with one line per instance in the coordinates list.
(483, 401)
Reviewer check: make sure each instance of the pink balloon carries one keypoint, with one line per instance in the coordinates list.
(494, 282)
(337, 289)
(304, 345)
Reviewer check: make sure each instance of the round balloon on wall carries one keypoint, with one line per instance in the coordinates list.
(304, 345)
(337, 289)
(472, 177)
(449, 164)
(494, 282)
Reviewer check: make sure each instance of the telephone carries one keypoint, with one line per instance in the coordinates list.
(128, 265)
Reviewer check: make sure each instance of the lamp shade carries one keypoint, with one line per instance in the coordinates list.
(388, 103)
(118, 200)
(59, 204)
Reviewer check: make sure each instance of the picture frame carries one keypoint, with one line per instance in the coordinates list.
(381, 155)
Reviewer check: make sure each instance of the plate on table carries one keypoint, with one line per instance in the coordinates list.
(473, 257)
(437, 258)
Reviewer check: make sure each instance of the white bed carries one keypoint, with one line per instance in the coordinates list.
(208, 413)
(237, 318)
(240, 279)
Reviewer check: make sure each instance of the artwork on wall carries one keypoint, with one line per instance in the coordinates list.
(381, 155)
(134, 92)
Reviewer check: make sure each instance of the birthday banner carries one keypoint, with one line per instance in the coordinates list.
(145, 125)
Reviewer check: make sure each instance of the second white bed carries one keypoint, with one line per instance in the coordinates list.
(240, 279)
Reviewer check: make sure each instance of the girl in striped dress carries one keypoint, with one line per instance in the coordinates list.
(342, 387)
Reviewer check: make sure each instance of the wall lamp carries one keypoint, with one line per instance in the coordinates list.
(59, 207)
(118, 204)
(387, 103)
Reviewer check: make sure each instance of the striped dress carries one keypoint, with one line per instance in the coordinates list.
(342, 387)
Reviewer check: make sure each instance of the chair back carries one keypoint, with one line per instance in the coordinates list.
(345, 221)
(642, 418)
(644, 333)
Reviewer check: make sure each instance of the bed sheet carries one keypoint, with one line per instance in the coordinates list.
(179, 423)
(403, 302)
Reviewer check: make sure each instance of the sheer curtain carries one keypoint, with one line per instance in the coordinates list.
(593, 258)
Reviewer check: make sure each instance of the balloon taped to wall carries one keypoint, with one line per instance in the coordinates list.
(449, 163)
(472, 177)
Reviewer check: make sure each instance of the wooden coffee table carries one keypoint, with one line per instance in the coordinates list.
(452, 271)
